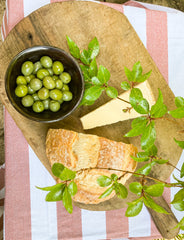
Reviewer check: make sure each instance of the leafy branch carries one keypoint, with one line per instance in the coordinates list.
(96, 82)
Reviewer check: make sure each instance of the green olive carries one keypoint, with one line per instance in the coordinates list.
(43, 93)
(65, 77)
(59, 84)
(49, 83)
(55, 77)
(42, 73)
(54, 106)
(67, 96)
(21, 90)
(37, 66)
(35, 84)
(65, 87)
(27, 101)
(57, 67)
(50, 71)
(21, 80)
(29, 77)
(35, 97)
(38, 106)
(46, 61)
(27, 68)
(56, 94)
(30, 90)
(46, 103)
(60, 101)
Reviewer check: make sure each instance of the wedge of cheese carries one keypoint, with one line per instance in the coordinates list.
(112, 111)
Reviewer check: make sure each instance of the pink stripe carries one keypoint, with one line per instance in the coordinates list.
(157, 45)
(69, 225)
(117, 224)
(116, 6)
(15, 13)
(157, 40)
(17, 196)
(134, 4)
(5, 29)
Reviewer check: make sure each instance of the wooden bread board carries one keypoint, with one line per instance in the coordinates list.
(119, 46)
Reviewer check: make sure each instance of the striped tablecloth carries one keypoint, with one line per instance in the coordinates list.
(27, 216)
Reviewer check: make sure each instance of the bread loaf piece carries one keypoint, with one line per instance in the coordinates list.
(80, 151)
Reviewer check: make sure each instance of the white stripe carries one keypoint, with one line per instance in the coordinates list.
(43, 214)
(93, 225)
(137, 17)
(4, 30)
(176, 52)
(2, 193)
(140, 226)
(30, 6)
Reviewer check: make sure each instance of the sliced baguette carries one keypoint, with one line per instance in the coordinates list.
(79, 151)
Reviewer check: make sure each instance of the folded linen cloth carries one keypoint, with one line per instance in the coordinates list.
(27, 216)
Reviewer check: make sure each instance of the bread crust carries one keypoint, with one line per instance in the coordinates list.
(84, 151)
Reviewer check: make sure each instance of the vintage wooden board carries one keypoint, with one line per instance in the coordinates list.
(119, 46)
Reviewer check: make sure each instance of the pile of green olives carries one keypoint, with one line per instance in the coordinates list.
(43, 85)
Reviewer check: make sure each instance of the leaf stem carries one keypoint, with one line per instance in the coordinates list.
(125, 172)
(123, 100)
(170, 164)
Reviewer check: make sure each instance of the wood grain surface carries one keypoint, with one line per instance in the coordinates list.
(82, 23)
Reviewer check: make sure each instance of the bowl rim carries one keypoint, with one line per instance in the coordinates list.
(38, 48)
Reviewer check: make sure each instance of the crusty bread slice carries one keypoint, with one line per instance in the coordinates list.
(79, 151)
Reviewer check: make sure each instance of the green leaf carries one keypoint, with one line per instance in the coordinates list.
(180, 143)
(135, 187)
(159, 109)
(55, 194)
(129, 74)
(137, 101)
(104, 181)
(155, 190)
(112, 92)
(93, 48)
(179, 206)
(179, 196)
(67, 174)
(93, 69)
(96, 81)
(144, 77)
(50, 188)
(93, 93)
(72, 188)
(140, 159)
(84, 57)
(107, 192)
(57, 169)
(182, 171)
(125, 85)
(149, 202)
(152, 151)
(136, 71)
(177, 113)
(146, 169)
(85, 71)
(179, 102)
(160, 161)
(114, 177)
(142, 154)
(74, 49)
(179, 181)
(138, 127)
(67, 200)
(134, 209)
(120, 190)
(180, 224)
(103, 74)
(148, 137)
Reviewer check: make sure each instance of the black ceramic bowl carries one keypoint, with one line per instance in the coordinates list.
(34, 54)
